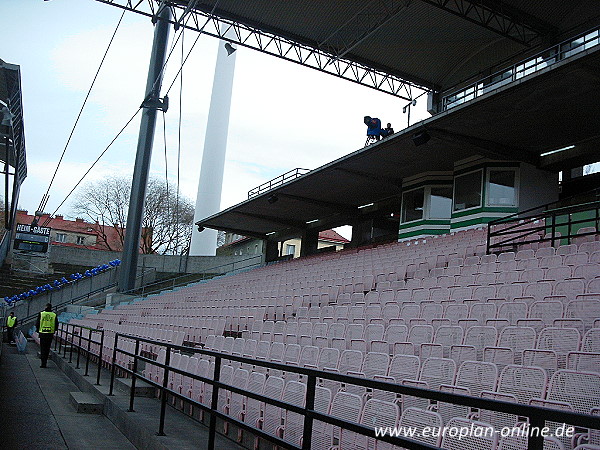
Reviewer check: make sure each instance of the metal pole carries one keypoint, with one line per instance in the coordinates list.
(310, 405)
(212, 427)
(66, 341)
(79, 347)
(72, 343)
(87, 359)
(133, 376)
(535, 440)
(144, 151)
(163, 392)
(113, 367)
(100, 357)
(58, 340)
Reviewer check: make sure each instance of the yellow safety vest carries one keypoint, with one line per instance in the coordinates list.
(47, 322)
(10, 321)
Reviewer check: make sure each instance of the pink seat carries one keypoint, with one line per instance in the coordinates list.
(579, 389)
(437, 371)
(481, 441)
(477, 376)
(523, 382)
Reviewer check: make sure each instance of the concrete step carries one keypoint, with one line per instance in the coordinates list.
(142, 389)
(85, 403)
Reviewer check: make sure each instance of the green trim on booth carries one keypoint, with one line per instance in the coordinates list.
(485, 209)
(424, 222)
(423, 232)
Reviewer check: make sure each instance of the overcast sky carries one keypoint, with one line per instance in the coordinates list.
(283, 115)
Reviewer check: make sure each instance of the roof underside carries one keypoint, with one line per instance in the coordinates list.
(549, 110)
(434, 43)
(11, 102)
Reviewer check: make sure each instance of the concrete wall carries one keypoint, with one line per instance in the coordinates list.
(167, 263)
(36, 304)
(537, 187)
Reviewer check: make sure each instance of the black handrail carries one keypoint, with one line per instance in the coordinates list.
(277, 181)
(548, 56)
(512, 229)
(79, 297)
(62, 337)
(537, 416)
(203, 274)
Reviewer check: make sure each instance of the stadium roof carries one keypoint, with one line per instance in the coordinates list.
(434, 43)
(552, 109)
(12, 113)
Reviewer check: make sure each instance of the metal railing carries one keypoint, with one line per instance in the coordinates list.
(62, 341)
(206, 274)
(556, 225)
(536, 416)
(76, 299)
(531, 65)
(277, 181)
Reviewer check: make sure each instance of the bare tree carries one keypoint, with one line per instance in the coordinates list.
(167, 222)
(2, 218)
(104, 203)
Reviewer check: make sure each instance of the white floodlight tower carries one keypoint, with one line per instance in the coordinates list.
(210, 184)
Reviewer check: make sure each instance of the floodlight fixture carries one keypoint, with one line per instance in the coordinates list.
(568, 147)
(420, 138)
(230, 48)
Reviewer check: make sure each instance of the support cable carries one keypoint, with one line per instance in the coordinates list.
(209, 18)
(136, 112)
(45, 197)
(166, 161)
(92, 166)
(179, 139)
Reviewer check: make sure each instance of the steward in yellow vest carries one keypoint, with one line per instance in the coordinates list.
(47, 324)
(47, 320)
(11, 323)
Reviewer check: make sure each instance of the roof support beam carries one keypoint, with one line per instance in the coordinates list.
(251, 36)
(339, 207)
(246, 233)
(498, 17)
(390, 182)
(485, 147)
(372, 17)
(276, 220)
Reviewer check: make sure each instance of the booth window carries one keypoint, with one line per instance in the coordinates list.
(467, 190)
(502, 187)
(440, 206)
(290, 249)
(412, 205)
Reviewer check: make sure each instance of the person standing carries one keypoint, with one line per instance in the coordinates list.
(47, 324)
(11, 323)
(388, 131)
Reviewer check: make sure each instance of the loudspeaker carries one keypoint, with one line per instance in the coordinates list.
(420, 138)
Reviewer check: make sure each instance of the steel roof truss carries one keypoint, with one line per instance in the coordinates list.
(254, 38)
(497, 17)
